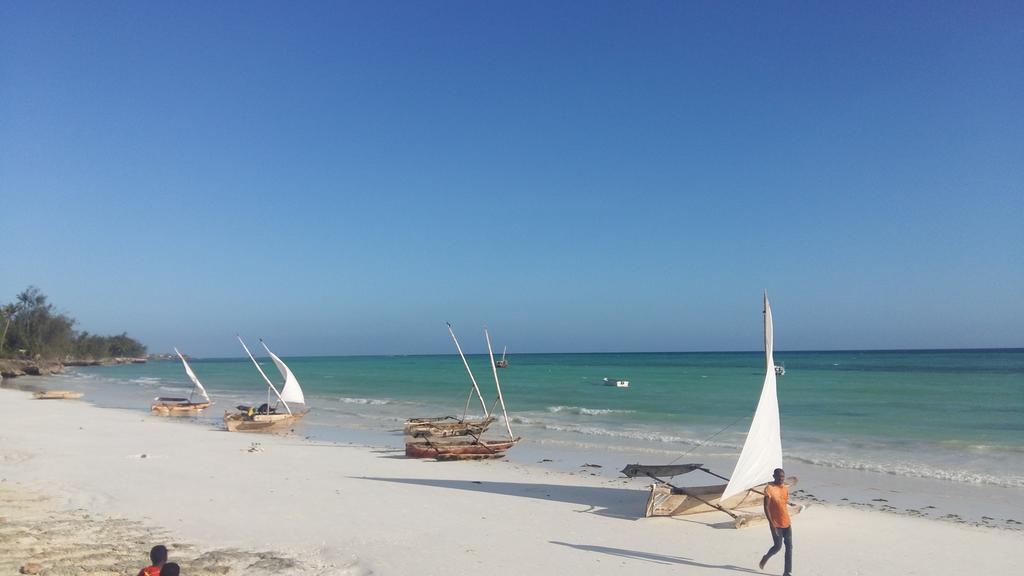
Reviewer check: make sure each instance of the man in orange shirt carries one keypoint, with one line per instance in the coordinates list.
(776, 499)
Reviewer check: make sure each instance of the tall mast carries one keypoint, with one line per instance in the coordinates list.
(265, 379)
(764, 319)
(471, 378)
(497, 385)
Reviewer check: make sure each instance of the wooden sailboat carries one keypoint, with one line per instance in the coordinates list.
(761, 455)
(266, 418)
(166, 406)
(447, 426)
(466, 447)
(503, 363)
(57, 395)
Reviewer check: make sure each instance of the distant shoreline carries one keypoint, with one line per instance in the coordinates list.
(14, 368)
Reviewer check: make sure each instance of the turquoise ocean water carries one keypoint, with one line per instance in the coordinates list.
(948, 415)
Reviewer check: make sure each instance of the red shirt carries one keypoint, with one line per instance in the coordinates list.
(150, 571)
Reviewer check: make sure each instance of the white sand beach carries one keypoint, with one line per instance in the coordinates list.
(87, 490)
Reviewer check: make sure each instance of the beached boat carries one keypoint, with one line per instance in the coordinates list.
(449, 426)
(57, 395)
(446, 426)
(459, 449)
(616, 382)
(760, 456)
(266, 418)
(167, 406)
(469, 446)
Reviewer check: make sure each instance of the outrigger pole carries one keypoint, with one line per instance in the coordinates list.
(471, 378)
(498, 385)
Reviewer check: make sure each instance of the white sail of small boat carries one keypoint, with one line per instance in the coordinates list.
(166, 405)
(291, 391)
(762, 450)
(196, 384)
(265, 418)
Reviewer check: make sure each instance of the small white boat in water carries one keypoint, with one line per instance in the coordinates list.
(616, 382)
(780, 369)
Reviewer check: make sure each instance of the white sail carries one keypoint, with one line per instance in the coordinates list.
(291, 391)
(762, 451)
(262, 373)
(192, 376)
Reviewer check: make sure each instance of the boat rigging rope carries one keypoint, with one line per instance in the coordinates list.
(708, 439)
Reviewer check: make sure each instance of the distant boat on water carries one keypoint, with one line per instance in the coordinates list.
(618, 383)
(503, 363)
(780, 369)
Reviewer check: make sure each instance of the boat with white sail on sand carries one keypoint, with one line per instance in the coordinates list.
(760, 456)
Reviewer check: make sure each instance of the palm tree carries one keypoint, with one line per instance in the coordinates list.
(7, 311)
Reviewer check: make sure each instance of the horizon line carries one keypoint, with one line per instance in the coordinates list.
(844, 350)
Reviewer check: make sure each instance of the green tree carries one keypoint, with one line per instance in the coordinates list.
(7, 311)
(32, 327)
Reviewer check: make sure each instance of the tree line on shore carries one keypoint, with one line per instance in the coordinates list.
(33, 329)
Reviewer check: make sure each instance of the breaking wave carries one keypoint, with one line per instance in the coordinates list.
(364, 401)
(586, 411)
(648, 436)
(913, 470)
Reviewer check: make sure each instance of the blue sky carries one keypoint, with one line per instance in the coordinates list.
(343, 178)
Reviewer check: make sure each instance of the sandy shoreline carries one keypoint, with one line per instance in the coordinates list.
(319, 508)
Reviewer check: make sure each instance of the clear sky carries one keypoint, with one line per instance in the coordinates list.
(344, 177)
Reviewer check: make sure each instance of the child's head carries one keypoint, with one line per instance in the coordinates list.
(170, 569)
(158, 555)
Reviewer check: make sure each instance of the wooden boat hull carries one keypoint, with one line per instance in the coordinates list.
(57, 395)
(239, 422)
(667, 501)
(457, 449)
(179, 408)
(446, 427)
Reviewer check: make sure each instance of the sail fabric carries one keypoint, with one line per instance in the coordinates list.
(262, 373)
(762, 450)
(291, 392)
(192, 376)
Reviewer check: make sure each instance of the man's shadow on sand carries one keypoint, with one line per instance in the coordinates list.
(621, 503)
(654, 558)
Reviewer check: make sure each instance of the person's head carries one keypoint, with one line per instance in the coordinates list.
(170, 569)
(158, 555)
(779, 475)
